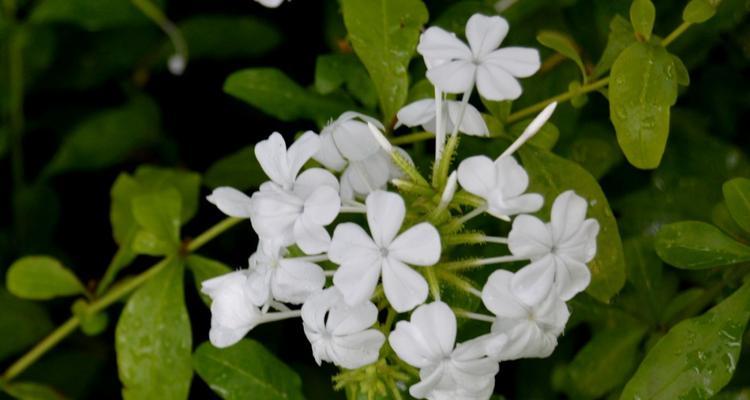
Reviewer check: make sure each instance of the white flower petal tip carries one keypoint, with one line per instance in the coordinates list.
(270, 3)
(532, 129)
(447, 371)
(559, 250)
(231, 202)
(340, 333)
(232, 314)
(450, 189)
(454, 67)
(382, 140)
(176, 64)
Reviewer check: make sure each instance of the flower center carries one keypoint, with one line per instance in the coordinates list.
(384, 252)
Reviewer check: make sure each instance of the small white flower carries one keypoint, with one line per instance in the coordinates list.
(348, 146)
(231, 202)
(559, 250)
(501, 184)
(281, 164)
(233, 313)
(288, 280)
(339, 333)
(456, 67)
(422, 112)
(270, 3)
(531, 330)
(362, 258)
(427, 342)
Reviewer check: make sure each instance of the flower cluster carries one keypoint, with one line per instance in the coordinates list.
(337, 240)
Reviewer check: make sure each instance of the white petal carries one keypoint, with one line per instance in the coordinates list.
(418, 245)
(232, 316)
(358, 349)
(417, 113)
(385, 214)
(313, 178)
(532, 283)
(369, 174)
(272, 156)
(567, 215)
(453, 76)
(472, 122)
(231, 202)
(259, 285)
(526, 203)
(350, 242)
(294, 281)
(356, 279)
(212, 287)
(311, 237)
(347, 320)
(571, 278)
(428, 382)
(323, 205)
(511, 176)
(520, 62)
(582, 245)
(301, 151)
(485, 33)
(354, 140)
(437, 44)
(411, 346)
(404, 287)
(499, 299)
(328, 154)
(477, 175)
(495, 83)
(316, 307)
(437, 323)
(274, 213)
(529, 237)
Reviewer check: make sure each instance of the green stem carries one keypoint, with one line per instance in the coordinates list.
(412, 138)
(531, 110)
(433, 282)
(675, 34)
(117, 292)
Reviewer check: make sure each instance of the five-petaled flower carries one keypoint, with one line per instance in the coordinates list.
(559, 250)
(340, 333)
(422, 112)
(363, 258)
(455, 67)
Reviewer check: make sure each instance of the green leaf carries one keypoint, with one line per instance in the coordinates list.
(644, 271)
(498, 109)
(220, 37)
(22, 323)
(551, 175)
(93, 16)
(274, 93)
(158, 215)
(564, 45)
(737, 198)
(204, 269)
(384, 34)
(545, 139)
(698, 245)
(334, 70)
(247, 367)
(697, 357)
(239, 170)
(621, 36)
(699, 11)
(107, 138)
(642, 90)
(153, 339)
(42, 278)
(595, 148)
(31, 391)
(591, 373)
(682, 76)
(642, 17)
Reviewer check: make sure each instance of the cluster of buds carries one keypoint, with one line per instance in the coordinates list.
(359, 245)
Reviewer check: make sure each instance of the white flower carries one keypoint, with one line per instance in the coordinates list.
(422, 112)
(339, 333)
(455, 67)
(231, 202)
(287, 280)
(531, 330)
(233, 313)
(559, 250)
(427, 342)
(501, 184)
(362, 258)
(282, 165)
(347, 146)
(270, 3)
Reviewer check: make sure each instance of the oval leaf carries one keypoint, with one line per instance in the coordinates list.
(153, 339)
(22, 323)
(246, 368)
(698, 245)
(642, 89)
(699, 11)
(204, 269)
(563, 45)
(384, 34)
(42, 278)
(551, 175)
(642, 16)
(697, 357)
(737, 197)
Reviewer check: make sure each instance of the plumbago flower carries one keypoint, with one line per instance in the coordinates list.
(355, 285)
